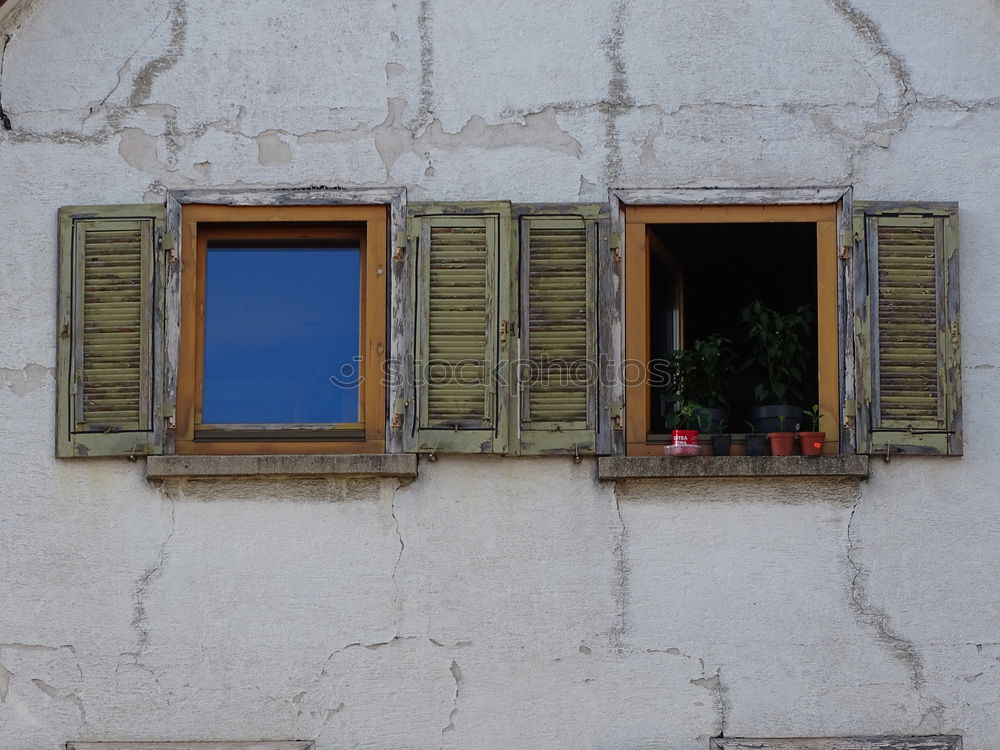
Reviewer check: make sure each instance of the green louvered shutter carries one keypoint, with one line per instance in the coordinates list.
(557, 383)
(907, 326)
(461, 291)
(108, 273)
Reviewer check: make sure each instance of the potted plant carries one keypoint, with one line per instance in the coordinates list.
(812, 441)
(722, 442)
(779, 342)
(700, 374)
(756, 444)
(683, 424)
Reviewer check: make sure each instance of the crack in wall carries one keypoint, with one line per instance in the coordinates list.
(619, 100)
(881, 134)
(713, 684)
(395, 567)
(151, 573)
(4, 118)
(878, 620)
(621, 582)
(55, 694)
(425, 107)
(456, 674)
(125, 66)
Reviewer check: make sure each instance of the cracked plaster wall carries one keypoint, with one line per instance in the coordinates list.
(493, 603)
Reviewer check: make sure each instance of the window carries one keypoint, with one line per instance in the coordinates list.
(883, 353)
(692, 268)
(282, 344)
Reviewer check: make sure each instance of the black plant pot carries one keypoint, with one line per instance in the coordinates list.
(721, 445)
(756, 445)
(776, 418)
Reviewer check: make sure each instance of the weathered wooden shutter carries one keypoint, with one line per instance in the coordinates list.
(557, 374)
(463, 329)
(109, 269)
(907, 329)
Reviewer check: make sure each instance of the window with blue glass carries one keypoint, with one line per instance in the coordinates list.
(283, 330)
(282, 334)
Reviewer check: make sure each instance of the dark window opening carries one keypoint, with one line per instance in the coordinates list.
(702, 275)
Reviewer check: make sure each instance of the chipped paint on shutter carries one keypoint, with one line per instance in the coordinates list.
(557, 374)
(108, 257)
(907, 319)
(460, 258)
(111, 352)
(461, 250)
(907, 329)
(557, 331)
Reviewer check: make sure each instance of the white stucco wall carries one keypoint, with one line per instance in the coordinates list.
(493, 603)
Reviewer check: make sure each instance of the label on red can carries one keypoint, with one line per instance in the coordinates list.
(685, 437)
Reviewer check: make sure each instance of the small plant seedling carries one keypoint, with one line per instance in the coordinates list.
(814, 415)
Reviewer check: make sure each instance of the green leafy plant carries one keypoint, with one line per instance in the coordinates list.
(701, 373)
(779, 342)
(751, 429)
(687, 416)
(814, 415)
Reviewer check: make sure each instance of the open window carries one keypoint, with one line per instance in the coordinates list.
(693, 274)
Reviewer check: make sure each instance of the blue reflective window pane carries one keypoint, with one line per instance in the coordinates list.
(282, 335)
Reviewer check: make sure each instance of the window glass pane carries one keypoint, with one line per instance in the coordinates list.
(282, 335)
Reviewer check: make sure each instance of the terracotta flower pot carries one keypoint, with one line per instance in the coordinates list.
(782, 443)
(812, 443)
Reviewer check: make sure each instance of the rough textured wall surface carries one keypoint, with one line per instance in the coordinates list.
(493, 603)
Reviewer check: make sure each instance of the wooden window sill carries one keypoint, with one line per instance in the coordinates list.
(666, 467)
(355, 465)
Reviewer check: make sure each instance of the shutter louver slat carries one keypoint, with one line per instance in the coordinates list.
(909, 388)
(557, 325)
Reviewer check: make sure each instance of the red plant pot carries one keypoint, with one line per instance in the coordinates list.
(782, 443)
(812, 443)
(685, 443)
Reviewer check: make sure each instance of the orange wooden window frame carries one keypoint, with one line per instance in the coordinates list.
(637, 281)
(367, 224)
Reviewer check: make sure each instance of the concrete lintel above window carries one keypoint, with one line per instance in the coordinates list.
(253, 745)
(320, 196)
(356, 465)
(727, 196)
(895, 742)
(665, 467)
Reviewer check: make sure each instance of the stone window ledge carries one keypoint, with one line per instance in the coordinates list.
(253, 745)
(353, 465)
(934, 742)
(666, 467)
